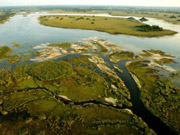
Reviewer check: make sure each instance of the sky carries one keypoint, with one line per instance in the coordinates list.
(168, 3)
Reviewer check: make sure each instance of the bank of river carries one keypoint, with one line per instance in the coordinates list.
(138, 107)
(23, 29)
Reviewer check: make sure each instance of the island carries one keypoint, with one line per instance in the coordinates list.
(110, 25)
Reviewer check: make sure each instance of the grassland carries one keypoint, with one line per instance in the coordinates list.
(29, 102)
(164, 60)
(63, 44)
(81, 90)
(110, 25)
(158, 94)
(50, 70)
(169, 17)
(87, 120)
(122, 55)
(156, 53)
(100, 48)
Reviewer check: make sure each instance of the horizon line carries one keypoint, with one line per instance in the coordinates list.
(88, 5)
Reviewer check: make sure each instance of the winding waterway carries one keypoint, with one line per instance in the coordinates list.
(138, 107)
(22, 29)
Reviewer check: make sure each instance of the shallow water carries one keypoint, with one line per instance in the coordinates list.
(22, 29)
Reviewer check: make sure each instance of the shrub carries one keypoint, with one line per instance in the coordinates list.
(80, 18)
(50, 70)
(147, 28)
(131, 18)
(172, 16)
(143, 19)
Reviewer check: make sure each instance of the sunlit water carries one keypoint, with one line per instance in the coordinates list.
(23, 29)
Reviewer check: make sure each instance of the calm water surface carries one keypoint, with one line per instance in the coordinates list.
(23, 29)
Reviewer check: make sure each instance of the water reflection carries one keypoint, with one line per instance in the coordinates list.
(23, 29)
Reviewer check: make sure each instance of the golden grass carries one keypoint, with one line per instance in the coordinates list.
(105, 24)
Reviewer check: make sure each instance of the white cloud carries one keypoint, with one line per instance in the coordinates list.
(92, 2)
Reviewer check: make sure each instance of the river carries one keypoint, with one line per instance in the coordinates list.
(23, 29)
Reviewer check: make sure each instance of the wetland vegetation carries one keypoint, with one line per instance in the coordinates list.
(4, 51)
(58, 94)
(56, 97)
(83, 87)
(147, 28)
(158, 94)
(4, 16)
(122, 55)
(143, 19)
